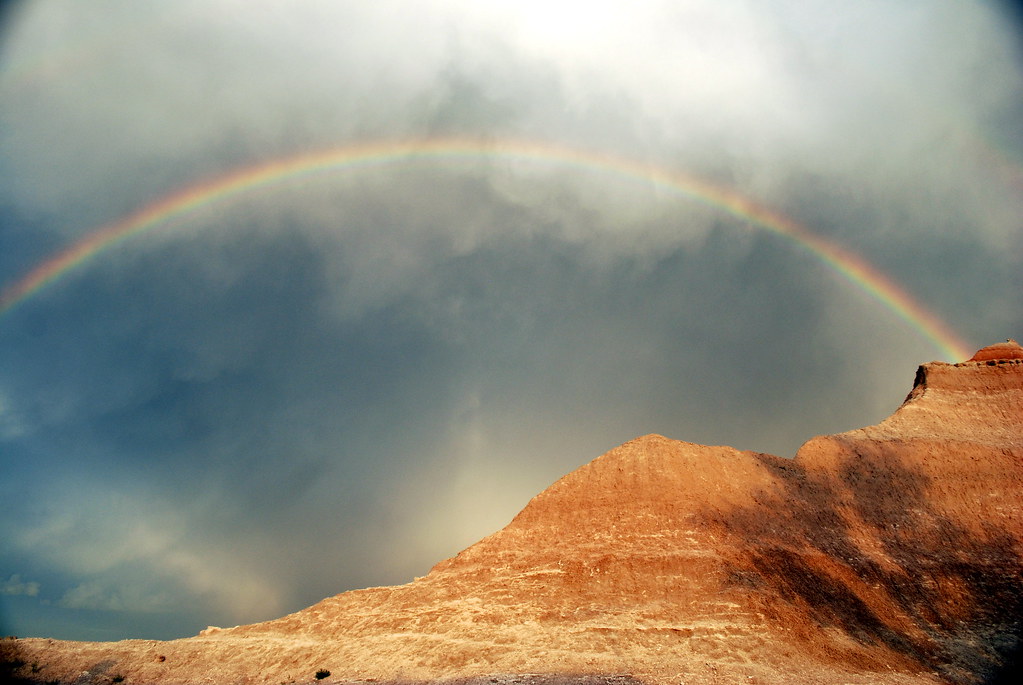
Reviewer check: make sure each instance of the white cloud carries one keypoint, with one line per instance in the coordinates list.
(138, 554)
(12, 424)
(102, 596)
(282, 359)
(16, 586)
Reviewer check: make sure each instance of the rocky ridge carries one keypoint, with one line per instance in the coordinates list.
(891, 554)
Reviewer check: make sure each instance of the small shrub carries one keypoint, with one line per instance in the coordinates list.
(117, 678)
(322, 673)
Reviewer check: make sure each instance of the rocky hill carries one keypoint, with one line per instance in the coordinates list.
(888, 554)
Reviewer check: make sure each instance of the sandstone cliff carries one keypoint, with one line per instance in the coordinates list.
(892, 553)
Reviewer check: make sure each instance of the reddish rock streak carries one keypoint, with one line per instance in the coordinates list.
(888, 554)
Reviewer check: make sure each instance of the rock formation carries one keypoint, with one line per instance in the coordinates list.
(888, 554)
(1010, 349)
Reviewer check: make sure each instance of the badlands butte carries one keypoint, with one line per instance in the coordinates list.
(887, 554)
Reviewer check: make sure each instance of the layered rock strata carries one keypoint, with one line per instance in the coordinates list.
(888, 554)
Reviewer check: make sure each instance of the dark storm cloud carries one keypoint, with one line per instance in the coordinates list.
(336, 381)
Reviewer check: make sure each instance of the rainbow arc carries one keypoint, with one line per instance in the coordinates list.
(848, 265)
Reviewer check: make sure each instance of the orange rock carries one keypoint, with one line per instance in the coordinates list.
(1010, 349)
(887, 554)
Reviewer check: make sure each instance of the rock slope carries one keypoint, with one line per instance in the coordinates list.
(888, 554)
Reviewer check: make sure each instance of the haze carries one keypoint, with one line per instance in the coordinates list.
(336, 381)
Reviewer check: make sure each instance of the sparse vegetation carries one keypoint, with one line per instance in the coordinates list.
(322, 673)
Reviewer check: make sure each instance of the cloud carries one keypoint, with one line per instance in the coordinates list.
(92, 595)
(15, 586)
(12, 424)
(138, 556)
(364, 370)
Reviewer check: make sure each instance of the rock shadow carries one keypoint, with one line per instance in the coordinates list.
(863, 548)
(14, 668)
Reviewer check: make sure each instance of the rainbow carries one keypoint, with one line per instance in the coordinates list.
(848, 265)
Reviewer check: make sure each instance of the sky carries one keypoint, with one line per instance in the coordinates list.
(299, 298)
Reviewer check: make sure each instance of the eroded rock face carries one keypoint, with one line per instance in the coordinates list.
(1010, 349)
(893, 553)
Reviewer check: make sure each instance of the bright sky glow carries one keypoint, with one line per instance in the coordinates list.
(305, 297)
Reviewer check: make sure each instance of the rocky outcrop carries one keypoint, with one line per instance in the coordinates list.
(888, 554)
(1010, 349)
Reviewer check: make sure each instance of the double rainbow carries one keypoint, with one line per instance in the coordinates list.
(845, 263)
